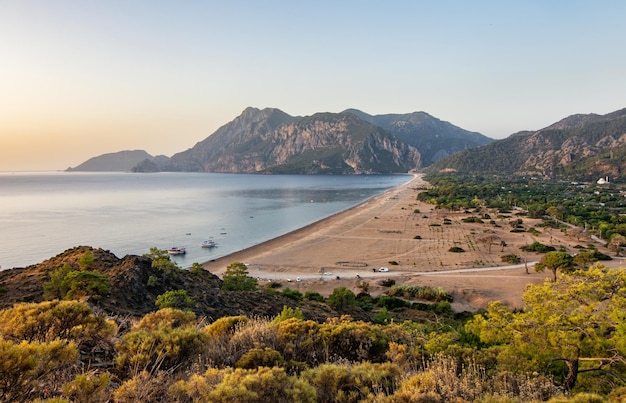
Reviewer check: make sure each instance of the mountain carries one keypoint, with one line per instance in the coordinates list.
(435, 139)
(122, 161)
(580, 146)
(271, 141)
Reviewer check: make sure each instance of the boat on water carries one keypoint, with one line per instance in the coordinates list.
(174, 250)
(209, 243)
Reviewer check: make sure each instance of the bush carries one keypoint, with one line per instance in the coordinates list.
(456, 249)
(388, 282)
(224, 325)
(66, 283)
(313, 296)
(392, 302)
(260, 357)
(472, 219)
(247, 385)
(341, 297)
(292, 294)
(49, 320)
(511, 258)
(537, 247)
(288, 313)
(179, 299)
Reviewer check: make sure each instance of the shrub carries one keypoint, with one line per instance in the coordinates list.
(392, 302)
(456, 249)
(288, 313)
(66, 283)
(165, 348)
(29, 368)
(511, 258)
(292, 294)
(88, 388)
(341, 297)
(388, 282)
(224, 325)
(260, 357)
(313, 296)
(352, 383)
(167, 317)
(472, 219)
(179, 299)
(49, 320)
(425, 292)
(247, 385)
(537, 247)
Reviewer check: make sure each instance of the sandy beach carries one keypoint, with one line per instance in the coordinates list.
(412, 240)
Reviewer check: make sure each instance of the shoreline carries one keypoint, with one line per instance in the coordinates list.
(412, 240)
(297, 234)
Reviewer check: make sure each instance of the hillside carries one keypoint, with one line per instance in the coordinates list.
(584, 147)
(135, 286)
(435, 139)
(122, 161)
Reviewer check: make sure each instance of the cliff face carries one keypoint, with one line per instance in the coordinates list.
(271, 141)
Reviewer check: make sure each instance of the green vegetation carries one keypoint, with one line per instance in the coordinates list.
(236, 278)
(66, 283)
(567, 344)
(596, 209)
(175, 299)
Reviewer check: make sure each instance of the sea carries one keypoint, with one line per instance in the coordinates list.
(43, 214)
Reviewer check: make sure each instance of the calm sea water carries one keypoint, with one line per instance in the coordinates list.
(43, 214)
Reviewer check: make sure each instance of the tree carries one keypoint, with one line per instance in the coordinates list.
(616, 243)
(161, 261)
(489, 240)
(236, 278)
(341, 297)
(555, 261)
(584, 258)
(578, 321)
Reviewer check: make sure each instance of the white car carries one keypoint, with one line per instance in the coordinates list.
(383, 269)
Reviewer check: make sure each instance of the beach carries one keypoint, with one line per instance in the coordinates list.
(412, 240)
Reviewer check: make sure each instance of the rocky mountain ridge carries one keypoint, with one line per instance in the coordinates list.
(584, 147)
(271, 141)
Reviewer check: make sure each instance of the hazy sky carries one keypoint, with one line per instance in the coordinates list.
(83, 78)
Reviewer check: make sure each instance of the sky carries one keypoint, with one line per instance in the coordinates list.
(83, 78)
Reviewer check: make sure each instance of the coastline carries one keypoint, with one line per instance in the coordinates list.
(411, 239)
(262, 248)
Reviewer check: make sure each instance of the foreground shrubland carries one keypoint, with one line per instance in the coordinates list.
(568, 344)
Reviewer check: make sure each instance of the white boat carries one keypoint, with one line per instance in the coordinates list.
(176, 251)
(209, 243)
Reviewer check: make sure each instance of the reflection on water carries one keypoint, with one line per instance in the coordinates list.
(44, 214)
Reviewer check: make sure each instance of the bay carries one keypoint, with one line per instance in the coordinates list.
(44, 213)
